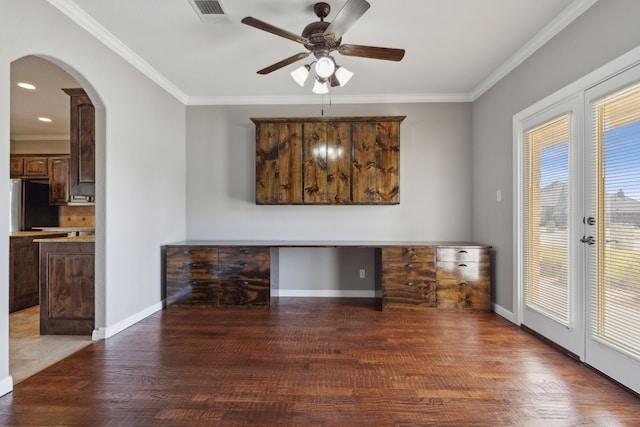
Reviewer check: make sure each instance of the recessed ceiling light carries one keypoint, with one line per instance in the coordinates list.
(45, 119)
(26, 86)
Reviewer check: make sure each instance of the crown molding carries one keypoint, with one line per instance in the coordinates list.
(40, 137)
(80, 17)
(574, 10)
(333, 99)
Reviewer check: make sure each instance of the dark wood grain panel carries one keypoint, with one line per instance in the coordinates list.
(16, 167)
(58, 180)
(82, 143)
(364, 167)
(267, 184)
(243, 254)
(388, 161)
(36, 167)
(290, 163)
(245, 293)
(408, 254)
(463, 270)
(409, 273)
(339, 163)
(67, 288)
(315, 163)
(245, 269)
(193, 291)
(408, 294)
(463, 285)
(328, 119)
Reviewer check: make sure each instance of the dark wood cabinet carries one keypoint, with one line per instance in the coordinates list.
(463, 278)
(408, 277)
(23, 270)
(67, 287)
(29, 166)
(82, 144)
(345, 160)
(58, 180)
(218, 276)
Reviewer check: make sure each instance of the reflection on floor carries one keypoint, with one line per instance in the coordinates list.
(30, 352)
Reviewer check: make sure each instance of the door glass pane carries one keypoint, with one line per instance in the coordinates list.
(546, 257)
(617, 303)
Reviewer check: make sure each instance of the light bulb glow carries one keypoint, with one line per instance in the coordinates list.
(325, 67)
(45, 119)
(24, 85)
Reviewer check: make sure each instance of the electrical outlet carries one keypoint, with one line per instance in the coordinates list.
(362, 273)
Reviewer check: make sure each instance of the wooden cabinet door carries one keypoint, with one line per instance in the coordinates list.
(279, 163)
(314, 142)
(16, 168)
(376, 162)
(35, 167)
(58, 180)
(23, 273)
(67, 289)
(82, 144)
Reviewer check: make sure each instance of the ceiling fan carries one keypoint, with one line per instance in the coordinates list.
(322, 38)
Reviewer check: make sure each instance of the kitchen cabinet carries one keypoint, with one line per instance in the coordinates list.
(341, 161)
(29, 167)
(23, 269)
(67, 286)
(82, 144)
(58, 180)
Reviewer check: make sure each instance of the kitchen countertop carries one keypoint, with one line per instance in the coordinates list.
(67, 229)
(70, 239)
(37, 233)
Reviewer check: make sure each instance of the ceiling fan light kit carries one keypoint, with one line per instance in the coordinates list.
(321, 38)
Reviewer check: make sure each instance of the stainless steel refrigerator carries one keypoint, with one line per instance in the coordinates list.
(30, 205)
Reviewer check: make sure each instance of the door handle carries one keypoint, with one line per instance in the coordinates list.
(589, 240)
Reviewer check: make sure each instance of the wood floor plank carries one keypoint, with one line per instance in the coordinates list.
(325, 362)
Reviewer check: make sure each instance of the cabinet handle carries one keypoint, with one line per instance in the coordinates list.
(462, 265)
(463, 285)
(408, 251)
(244, 251)
(190, 252)
(194, 264)
(410, 265)
(409, 283)
(244, 264)
(462, 251)
(244, 282)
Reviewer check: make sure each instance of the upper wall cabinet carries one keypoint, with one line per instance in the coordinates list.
(82, 165)
(328, 161)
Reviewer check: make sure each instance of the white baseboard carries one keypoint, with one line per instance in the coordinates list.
(6, 385)
(501, 311)
(109, 331)
(323, 293)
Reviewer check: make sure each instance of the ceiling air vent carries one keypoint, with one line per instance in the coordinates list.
(210, 10)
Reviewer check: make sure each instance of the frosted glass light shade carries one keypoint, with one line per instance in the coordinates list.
(300, 74)
(320, 87)
(325, 67)
(343, 75)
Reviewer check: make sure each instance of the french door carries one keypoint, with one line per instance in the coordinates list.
(579, 225)
(612, 130)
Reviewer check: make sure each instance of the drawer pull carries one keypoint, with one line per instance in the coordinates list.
(244, 283)
(462, 251)
(408, 252)
(244, 264)
(195, 264)
(244, 251)
(462, 265)
(463, 285)
(190, 252)
(410, 265)
(409, 283)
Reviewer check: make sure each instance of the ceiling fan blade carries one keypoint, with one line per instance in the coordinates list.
(346, 17)
(284, 62)
(373, 52)
(261, 25)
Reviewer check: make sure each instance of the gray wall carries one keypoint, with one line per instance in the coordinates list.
(435, 195)
(607, 30)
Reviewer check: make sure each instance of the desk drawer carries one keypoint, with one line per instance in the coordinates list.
(463, 254)
(230, 255)
(408, 254)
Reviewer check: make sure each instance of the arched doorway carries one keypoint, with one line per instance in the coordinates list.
(31, 137)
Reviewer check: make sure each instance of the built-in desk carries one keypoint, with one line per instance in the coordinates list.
(415, 275)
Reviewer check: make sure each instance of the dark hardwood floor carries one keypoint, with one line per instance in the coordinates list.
(319, 362)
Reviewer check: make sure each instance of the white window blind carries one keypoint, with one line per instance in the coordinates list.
(546, 244)
(616, 308)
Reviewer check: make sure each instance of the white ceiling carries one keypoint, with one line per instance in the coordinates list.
(455, 49)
